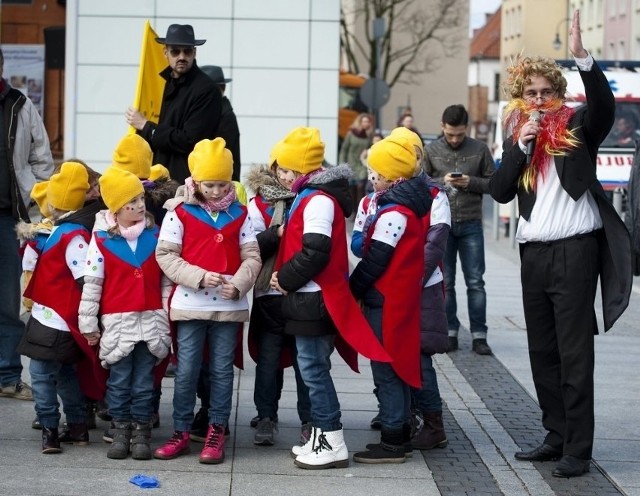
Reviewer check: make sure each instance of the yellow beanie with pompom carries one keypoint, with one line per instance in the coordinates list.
(68, 188)
(118, 187)
(210, 160)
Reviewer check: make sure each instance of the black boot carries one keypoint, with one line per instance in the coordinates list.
(75, 434)
(432, 434)
(50, 441)
(140, 441)
(91, 408)
(390, 449)
(119, 448)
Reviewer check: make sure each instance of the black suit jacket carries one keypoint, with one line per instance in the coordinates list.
(577, 173)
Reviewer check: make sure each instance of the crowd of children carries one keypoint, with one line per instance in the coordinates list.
(126, 270)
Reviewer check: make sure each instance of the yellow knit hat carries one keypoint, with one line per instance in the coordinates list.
(211, 161)
(39, 195)
(159, 172)
(393, 157)
(410, 135)
(118, 187)
(133, 154)
(273, 155)
(67, 189)
(301, 150)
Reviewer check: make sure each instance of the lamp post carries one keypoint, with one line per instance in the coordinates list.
(557, 42)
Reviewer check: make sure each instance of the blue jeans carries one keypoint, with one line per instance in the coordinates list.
(427, 399)
(467, 240)
(130, 386)
(267, 386)
(11, 327)
(394, 395)
(50, 379)
(314, 360)
(221, 338)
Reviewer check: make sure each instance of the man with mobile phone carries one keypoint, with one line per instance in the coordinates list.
(463, 165)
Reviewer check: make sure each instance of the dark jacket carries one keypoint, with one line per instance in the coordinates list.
(190, 112)
(306, 313)
(230, 132)
(577, 172)
(633, 212)
(472, 158)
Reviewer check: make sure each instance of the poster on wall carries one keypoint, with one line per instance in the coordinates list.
(24, 69)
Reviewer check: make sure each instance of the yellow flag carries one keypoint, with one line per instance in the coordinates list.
(148, 97)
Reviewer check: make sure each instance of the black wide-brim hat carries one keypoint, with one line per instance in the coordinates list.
(180, 35)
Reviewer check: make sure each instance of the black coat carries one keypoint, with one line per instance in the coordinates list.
(577, 173)
(230, 132)
(190, 112)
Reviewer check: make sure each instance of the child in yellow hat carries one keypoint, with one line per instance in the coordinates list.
(55, 291)
(389, 236)
(208, 248)
(122, 295)
(317, 306)
(269, 347)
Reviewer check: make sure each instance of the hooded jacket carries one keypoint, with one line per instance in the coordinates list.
(27, 144)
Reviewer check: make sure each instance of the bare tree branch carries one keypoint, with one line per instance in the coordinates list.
(418, 35)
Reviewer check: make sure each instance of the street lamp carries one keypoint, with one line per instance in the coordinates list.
(557, 42)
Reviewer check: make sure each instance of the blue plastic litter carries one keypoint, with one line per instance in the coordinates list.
(145, 481)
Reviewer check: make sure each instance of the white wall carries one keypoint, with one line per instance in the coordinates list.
(283, 57)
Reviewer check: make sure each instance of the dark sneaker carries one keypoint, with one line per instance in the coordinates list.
(155, 420)
(254, 421)
(453, 344)
(200, 426)
(481, 347)
(107, 436)
(102, 411)
(18, 391)
(171, 370)
(375, 423)
(264, 432)
(36, 424)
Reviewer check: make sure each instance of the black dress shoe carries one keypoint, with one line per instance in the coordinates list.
(542, 453)
(570, 466)
(453, 344)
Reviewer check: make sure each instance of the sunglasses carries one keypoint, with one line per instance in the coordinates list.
(188, 51)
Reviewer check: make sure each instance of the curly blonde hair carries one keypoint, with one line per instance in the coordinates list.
(521, 70)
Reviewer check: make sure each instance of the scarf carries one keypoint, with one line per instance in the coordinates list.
(212, 206)
(278, 196)
(299, 184)
(129, 233)
(554, 139)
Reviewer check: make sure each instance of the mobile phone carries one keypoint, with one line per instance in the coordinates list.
(456, 174)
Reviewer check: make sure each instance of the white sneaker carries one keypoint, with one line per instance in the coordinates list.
(306, 447)
(330, 451)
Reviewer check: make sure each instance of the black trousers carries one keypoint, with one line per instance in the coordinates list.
(559, 282)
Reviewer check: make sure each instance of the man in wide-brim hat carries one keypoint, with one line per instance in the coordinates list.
(191, 105)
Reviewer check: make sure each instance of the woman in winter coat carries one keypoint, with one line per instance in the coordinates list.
(207, 247)
(123, 296)
(357, 140)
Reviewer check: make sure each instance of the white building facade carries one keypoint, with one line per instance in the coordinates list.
(282, 55)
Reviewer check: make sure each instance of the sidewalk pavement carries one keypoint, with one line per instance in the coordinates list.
(490, 413)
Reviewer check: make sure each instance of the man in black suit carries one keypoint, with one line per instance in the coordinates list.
(569, 235)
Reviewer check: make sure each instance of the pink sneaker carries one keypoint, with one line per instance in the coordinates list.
(177, 445)
(213, 451)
